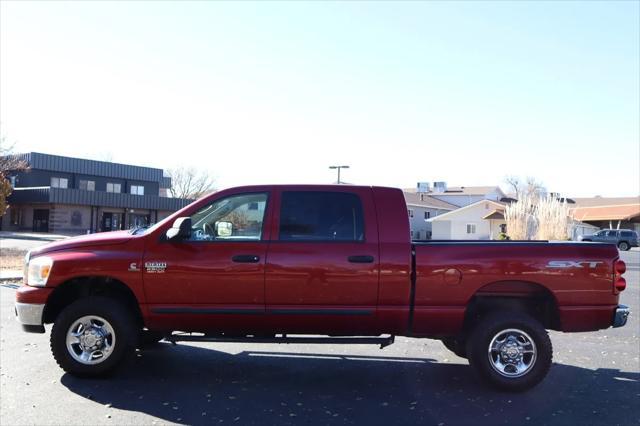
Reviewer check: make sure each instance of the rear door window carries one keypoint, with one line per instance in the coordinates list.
(321, 216)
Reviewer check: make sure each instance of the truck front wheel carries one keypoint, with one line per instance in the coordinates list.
(510, 351)
(92, 335)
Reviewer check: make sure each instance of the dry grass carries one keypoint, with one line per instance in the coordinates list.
(12, 259)
(554, 220)
(533, 218)
(521, 219)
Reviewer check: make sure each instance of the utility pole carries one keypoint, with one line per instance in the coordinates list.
(338, 168)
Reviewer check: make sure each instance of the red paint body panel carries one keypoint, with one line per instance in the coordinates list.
(34, 295)
(586, 318)
(482, 266)
(394, 295)
(311, 287)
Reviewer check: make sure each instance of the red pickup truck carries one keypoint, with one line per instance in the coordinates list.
(315, 264)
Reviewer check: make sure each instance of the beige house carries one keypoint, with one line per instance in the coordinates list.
(482, 220)
(422, 207)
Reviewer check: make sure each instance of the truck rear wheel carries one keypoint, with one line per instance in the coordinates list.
(510, 351)
(91, 336)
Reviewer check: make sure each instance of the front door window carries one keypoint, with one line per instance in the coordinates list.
(235, 218)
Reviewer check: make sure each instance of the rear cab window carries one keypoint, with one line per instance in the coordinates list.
(321, 216)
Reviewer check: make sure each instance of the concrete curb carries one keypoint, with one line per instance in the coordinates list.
(10, 275)
(31, 237)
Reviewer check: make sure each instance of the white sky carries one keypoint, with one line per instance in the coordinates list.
(276, 92)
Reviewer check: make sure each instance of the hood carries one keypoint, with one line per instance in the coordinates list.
(83, 241)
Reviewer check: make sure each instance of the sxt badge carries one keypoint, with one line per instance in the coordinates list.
(572, 264)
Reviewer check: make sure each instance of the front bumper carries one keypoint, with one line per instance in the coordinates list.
(29, 307)
(30, 316)
(620, 316)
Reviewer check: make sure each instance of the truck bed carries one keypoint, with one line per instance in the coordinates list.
(450, 274)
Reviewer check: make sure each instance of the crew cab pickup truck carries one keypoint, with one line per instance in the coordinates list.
(315, 264)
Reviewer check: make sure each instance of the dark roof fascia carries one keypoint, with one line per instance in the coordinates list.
(96, 198)
(57, 163)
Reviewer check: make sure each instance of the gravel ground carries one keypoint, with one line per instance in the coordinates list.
(595, 379)
(11, 259)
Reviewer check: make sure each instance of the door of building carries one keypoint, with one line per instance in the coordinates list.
(112, 221)
(41, 220)
(107, 221)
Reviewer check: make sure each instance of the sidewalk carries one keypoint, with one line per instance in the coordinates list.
(37, 236)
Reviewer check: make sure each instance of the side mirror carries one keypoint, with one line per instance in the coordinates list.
(224, 229)
(181, 229)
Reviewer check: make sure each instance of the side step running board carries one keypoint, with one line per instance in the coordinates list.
(382, 341)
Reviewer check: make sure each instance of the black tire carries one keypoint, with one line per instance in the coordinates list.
(624, 246)
(587, 241)
(481, 359)
(149, 338)
(455, 345)
(121, 321)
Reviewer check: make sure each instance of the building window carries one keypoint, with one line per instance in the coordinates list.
(471, 228)
(410, 213)
(427, 215)
(58, 182)
(114, 187)
(87, 185)
(137, 189)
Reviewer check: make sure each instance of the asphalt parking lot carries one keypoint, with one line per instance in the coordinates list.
(595, 380)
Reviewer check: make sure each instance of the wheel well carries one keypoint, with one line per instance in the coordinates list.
(78, 288)
(530, 298)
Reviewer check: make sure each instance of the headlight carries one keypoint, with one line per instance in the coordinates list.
(38, 271)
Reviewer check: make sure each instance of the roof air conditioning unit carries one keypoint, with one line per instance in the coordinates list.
(439, 186)
(424, 187)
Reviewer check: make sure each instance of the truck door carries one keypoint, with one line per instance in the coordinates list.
(322, 265)
(215, 278)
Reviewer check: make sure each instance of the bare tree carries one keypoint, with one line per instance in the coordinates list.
(531, 188)
(534, 188)
(513, 182)
(8, 163)
(188, 182)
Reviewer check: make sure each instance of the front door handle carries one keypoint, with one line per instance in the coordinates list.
(360, 259)
(245, 258)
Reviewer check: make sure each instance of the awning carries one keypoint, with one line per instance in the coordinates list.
(496, 214)
(623, 212)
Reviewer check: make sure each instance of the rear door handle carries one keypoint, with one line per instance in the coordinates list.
(360, 259)
(246, 258)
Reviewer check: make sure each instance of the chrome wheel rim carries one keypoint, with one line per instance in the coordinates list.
(512, 353)
(90, 340)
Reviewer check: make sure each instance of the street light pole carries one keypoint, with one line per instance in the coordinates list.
(338, 168)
